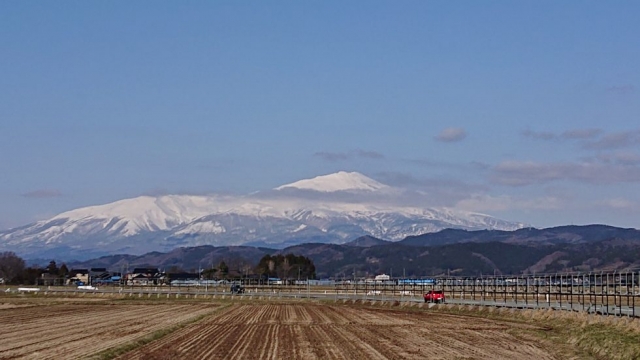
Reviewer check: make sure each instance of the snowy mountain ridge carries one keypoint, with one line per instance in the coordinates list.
(340, 181)
(334, 208)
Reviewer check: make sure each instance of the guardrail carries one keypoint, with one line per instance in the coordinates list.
(611, 293)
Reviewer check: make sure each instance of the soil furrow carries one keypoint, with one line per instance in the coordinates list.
(246, 330)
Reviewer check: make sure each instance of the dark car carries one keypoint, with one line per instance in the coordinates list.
(237, 289)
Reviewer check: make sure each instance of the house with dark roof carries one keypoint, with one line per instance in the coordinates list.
(98, 275)
(145, 271)
(145, 276)
(49, 279)
(183, 278)
(76, 276)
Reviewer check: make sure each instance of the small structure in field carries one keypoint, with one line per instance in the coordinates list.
(145, 276)
(78, 276)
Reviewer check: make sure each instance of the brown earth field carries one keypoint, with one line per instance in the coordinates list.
(316, 331)
(80, 330)
(137, 328)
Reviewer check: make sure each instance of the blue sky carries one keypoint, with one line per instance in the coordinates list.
(526, 110)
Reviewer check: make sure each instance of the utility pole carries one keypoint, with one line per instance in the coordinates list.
(355, 283)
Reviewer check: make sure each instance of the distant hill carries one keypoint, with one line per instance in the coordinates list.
(471, 258)
(556, 235)
(188, 258)
(536, 254)
(367, 241)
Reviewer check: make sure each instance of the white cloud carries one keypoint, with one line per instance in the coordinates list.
(618, 204)
(451, 135)
(489, 203)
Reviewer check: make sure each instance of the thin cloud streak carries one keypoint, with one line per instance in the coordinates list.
(368, 154)
(484, 202)
(617, 140)
(434, 191)
(517, 173)
(451, 135)
(405, 180)
(573, 134)
(539, 135)
(622, 158)
(331, 156)
(622, 89)
(618, 204)
(581, 134)
(590, 138)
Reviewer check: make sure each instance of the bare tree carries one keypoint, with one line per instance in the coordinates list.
(286, 269)
(63, 271)
(11, 266)
(247, 269)
(223, 270)
(52, 268)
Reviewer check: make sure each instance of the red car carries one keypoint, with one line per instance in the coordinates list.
(434, 296)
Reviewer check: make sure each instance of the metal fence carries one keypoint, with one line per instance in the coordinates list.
(607, 293)
(613, 293)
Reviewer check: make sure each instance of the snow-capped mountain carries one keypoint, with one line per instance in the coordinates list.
(340, 181)
(332, 208)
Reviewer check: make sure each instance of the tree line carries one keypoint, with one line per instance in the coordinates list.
(13, 270)
(287, 266)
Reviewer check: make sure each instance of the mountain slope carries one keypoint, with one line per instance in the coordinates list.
(555, 235)
(466, 258)
(333, 208)
(186, 258)
(366, 241)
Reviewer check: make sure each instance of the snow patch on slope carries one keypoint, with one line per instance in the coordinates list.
(144, 213)
(202, 228)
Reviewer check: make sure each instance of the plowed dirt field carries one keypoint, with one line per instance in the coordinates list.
(77, 331)
(313, 331)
